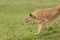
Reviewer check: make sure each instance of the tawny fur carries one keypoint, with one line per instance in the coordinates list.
(43, 15)
(48, 13)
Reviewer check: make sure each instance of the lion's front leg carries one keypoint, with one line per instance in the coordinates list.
(41, 26)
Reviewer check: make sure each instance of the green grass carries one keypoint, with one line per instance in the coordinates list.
(12, 27)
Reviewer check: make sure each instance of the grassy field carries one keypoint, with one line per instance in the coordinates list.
(12, 27)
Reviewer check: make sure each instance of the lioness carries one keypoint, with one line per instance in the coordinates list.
(43, 15)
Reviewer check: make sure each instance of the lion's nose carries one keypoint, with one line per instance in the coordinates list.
(26, 21)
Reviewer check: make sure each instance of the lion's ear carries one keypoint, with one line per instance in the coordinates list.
(30, 14)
